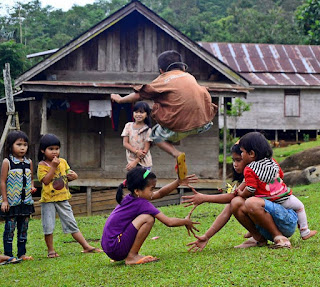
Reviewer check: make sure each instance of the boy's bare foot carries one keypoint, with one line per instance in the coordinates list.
(251, 242)
(312, 233)
(139, 259)
(281, 241)
(247, 235)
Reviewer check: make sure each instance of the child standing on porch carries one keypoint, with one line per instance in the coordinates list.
(136, 137)
(16, 192)
(54, 173)
(181, 106)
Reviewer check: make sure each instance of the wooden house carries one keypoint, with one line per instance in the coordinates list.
(285, 102)
(111, 57)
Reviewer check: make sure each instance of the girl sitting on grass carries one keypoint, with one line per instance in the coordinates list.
(131, 221)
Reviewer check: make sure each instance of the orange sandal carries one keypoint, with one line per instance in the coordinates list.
(181, 166)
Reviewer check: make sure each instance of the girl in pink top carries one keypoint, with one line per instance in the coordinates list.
(136, 137)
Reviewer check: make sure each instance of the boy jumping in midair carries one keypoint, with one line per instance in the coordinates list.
(181, 106)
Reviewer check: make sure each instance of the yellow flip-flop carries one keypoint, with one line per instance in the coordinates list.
(182, 167)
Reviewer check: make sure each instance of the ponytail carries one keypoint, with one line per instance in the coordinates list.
(137, 178)
(119, 195)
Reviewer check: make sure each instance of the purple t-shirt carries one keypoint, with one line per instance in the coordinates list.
(123, 215)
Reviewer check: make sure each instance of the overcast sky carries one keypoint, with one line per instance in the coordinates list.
(59, 4)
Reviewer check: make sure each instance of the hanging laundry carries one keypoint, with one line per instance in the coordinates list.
(58, 104)
(100, 108)
(116, 108)
(79, 107)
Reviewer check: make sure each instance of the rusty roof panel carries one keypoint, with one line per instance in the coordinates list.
(282, 79)
(269, 64)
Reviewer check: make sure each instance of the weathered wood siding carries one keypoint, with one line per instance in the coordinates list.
(268, 111)
(125, 53)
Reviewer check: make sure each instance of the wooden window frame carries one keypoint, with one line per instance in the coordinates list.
(291, 92)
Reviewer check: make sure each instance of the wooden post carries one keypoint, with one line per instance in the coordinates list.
(276, 138)
(5, 132)
(181, 193)
(11, 121)
(224, 168)
(44, 129)
(89, 202)
(8, 89)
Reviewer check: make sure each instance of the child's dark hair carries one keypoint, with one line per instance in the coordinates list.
(46, 141)
(11, 139)
(143, 107)
(236, 176)
(137, 178)
(170, 60)
(256, 142)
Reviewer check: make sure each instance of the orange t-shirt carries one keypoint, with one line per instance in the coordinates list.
(180, 103)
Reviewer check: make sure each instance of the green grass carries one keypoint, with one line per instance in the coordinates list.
(219, 264)
(282, 153)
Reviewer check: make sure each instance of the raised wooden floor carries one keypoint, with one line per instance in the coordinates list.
(100, 195)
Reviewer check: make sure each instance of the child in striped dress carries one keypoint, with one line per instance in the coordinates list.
(263, 177)
(16, 192)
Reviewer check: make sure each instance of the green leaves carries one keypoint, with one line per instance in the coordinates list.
(308, 16)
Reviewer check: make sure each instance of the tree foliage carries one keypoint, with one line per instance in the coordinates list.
(40, 28)
(14, 54)
(308, 16)
(237, 108)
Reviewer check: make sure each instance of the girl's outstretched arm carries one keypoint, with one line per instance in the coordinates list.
(173, 185)
(174, 222)
(216, 226)
(4, 174)
(198, 198)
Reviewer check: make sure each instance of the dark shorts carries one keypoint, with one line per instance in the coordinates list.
(285, 219)
(119, 249)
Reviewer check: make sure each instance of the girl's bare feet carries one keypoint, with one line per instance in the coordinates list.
(312, 233)
(24, 257)
(53, 254)
(140, 259)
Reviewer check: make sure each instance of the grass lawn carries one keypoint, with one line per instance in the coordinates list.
(219, 264)
(281, 153)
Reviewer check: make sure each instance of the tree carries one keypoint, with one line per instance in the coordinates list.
(308, 17)
(14, 54)
(237, 108)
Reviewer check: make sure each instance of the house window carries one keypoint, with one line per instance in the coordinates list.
(291, 103)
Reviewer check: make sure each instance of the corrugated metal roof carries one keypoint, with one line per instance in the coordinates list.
(269, 64)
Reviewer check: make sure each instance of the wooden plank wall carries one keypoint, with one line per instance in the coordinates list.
(103, 201)
(127, 53)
